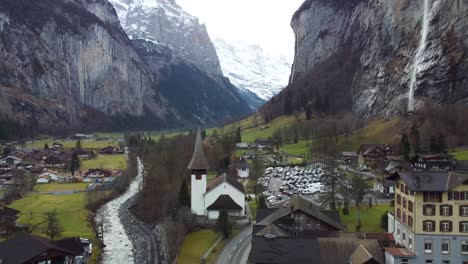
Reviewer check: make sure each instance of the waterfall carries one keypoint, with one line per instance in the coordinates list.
(418, 60)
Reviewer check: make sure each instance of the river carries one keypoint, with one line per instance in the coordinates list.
(119, 247)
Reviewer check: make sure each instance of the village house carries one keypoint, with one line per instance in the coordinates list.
(11, 160)
(54, 161)
(371, 154)
(224, 193)
(242, 146)
(8, 218)
(82, 153)
(100, 175)
(109, 150)
(27, 248)
(383, 170)
(430, 217)
(433, 162)
(241, 166)
(349, 158)
(302, 232)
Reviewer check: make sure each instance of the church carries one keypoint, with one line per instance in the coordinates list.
(222, 193)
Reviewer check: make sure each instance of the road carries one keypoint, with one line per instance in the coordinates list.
(238, 249)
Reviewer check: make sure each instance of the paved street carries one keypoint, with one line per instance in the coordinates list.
(238, 249)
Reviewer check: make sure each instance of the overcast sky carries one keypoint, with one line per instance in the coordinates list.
(262, 22)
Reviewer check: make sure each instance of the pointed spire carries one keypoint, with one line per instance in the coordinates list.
(198, 160)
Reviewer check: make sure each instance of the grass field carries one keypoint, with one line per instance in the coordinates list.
(266, 130)
(370, 218)
(460, 154)
(54, 187)
(111, 162)
(71, 211)
(195, 245)
(68, 144)
(299, 149)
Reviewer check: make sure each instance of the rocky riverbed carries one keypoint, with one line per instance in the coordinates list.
(127, 239)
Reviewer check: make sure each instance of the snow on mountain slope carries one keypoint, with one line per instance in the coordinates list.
(165, 22)
(250, 67)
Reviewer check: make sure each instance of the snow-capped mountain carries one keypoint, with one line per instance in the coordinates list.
(164, 22)
(251, 68)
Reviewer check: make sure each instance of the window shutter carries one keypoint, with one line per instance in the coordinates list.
(460, 210)
(441, 227)
(450, 226)
(433, 225)
(425, 197)
(450, 210)
(460, 226)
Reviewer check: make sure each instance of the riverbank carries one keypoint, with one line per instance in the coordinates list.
(127, 239)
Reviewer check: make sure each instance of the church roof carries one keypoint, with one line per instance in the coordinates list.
(224, 202)
(198, 161)
(225, 178)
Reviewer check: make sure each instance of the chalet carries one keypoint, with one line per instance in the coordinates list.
(11, 160)
(303, 233)
(8, 217)
(384, 169)
(8, 175)
(57, 145)
(242, 146)
(349, 158)
(109, 150)
(263, 143)
(82, 153)
(371, 154)
(433, 162)
(27, 248)
(100, 175)
(49, 174)
(54, 161)
(242, 167)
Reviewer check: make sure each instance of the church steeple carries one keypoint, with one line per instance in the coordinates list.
(198, 161)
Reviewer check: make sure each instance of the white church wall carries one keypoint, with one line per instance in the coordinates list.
(243, 173)
(226, 188)
(197, 192)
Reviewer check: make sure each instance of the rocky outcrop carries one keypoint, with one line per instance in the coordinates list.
(69, 64)
(163, 21)
(200, 97)
(358, 55)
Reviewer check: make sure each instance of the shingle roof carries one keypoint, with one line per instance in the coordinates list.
(298, 203)
(198, 161)
(24, 247)
(431, 181)
(224, 202)
(399, 252)
(225, 178)
(284, 250)
(348, 248)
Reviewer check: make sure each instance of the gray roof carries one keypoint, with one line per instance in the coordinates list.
(298, 203)
(198, 161)
(431, 181)
(224, 202)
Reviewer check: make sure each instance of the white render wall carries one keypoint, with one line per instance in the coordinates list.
(222, 189)
(243, 173)
(197, 192)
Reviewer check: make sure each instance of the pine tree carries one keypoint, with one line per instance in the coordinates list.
(203, 134)
(433, 145)
(46, 146)
(416, 139)
(184, 199)
(238, 135)
(308, 112)
(405, 146)
(78, 144)
(441, 143)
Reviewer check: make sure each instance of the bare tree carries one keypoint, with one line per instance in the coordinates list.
(51, 226)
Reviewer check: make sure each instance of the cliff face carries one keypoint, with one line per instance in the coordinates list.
(198, 96)
(163, 21)
(65, 62)
(361, 54)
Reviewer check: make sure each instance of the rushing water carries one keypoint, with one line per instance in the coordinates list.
(118, 245)
(418, 60)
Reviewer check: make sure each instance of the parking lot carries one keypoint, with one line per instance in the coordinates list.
(281, 183)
